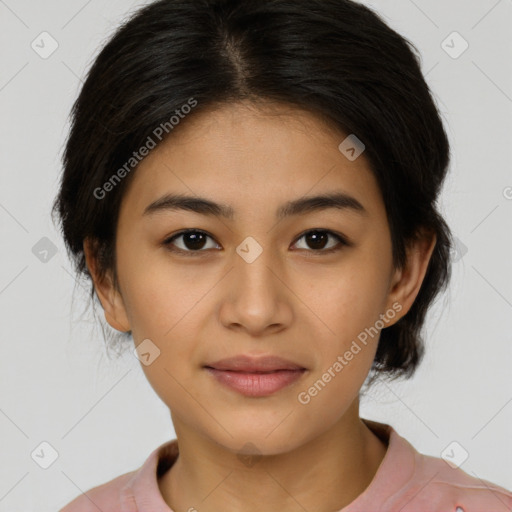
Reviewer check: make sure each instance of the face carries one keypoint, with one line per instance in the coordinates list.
(312, 285)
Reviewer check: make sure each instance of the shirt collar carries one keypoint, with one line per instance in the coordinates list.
(142, 493)
(394, 471)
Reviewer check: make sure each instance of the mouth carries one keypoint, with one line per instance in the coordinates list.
(253, 364)
(256, 384)
(255, 377)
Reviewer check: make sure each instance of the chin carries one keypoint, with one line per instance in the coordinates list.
(265, 441)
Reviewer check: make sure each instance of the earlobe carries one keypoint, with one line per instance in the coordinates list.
(110, 299)
(407, 281)
(113, 322)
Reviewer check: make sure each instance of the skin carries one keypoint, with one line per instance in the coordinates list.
(288, 302)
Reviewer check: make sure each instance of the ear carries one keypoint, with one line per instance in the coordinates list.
(405, 283)
(111, 300)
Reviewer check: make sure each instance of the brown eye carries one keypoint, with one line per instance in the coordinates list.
(192, 241)
(318, 239)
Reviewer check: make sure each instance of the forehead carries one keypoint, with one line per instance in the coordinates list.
(251, 157)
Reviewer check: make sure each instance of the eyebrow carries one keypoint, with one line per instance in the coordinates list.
(301, 206)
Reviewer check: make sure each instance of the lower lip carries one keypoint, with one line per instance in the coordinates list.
(256, 384)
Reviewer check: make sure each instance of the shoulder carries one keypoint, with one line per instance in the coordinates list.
(105, 497)
(129, 489)
(410, 481)
(436, 486)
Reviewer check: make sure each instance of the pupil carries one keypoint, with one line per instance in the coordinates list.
(193, 240)
(315, 236)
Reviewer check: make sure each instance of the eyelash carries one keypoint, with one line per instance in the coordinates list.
(317, 252)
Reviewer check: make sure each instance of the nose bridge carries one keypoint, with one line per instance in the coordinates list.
(256, 265)
(255, 300)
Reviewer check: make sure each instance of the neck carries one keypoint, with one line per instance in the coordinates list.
(325, 474)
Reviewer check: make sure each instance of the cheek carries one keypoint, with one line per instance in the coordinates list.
(157, 294)
(175, 388)
(347, 299)
(347, 306)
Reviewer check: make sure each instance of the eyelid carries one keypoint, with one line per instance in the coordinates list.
(168, 242)
(342, 239)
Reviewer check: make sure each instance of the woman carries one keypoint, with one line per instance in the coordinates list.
(251, 188)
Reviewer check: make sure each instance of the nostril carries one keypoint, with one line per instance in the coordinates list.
(459, 509)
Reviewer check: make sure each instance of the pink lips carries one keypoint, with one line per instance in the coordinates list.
(255, 376)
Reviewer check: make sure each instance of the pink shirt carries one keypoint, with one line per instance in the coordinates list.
(405, 481)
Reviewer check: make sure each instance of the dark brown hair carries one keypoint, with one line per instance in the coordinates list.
(336, 58)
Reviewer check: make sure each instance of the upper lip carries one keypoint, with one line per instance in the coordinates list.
(245, 363)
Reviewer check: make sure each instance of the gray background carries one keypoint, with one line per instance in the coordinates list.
(101, 416)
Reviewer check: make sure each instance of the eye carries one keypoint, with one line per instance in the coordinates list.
(193, 242)
(317, 239)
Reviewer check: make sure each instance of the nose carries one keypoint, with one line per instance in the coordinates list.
(256, 296)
